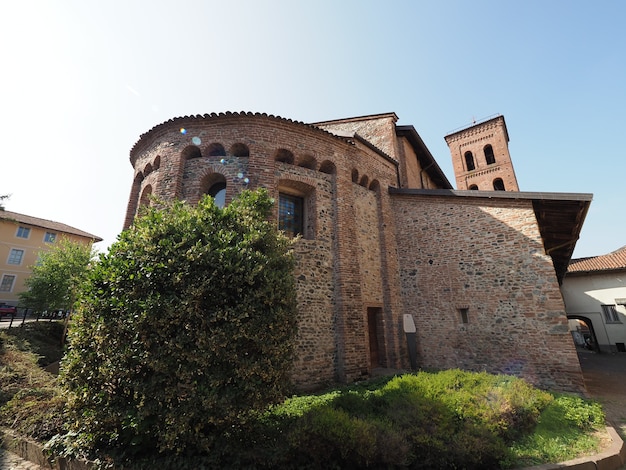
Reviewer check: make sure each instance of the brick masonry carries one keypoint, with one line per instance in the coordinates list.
(368, 256)
(474, 139)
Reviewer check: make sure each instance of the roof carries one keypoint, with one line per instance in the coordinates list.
(46, 224)
(187, 120)
(614, 261)
(560, 217)
(367, 117)
(480, 123)
(426, 160)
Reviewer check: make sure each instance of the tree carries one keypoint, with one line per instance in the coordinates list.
(185, 330)
(2, 198)
(55, 279)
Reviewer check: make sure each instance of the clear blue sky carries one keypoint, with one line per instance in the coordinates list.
(82, 80)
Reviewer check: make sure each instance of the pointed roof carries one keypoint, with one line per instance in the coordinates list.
(45, 224)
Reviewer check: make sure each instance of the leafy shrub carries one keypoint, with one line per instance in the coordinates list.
(583, 414)
(184, 330)
(504, 404)
(450, 419)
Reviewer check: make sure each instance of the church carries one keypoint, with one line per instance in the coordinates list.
(396, 269)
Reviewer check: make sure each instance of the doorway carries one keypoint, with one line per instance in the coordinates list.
(374, 327)
(584, 335)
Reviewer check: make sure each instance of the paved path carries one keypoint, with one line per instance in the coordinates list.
(10, 461)
(605, 380)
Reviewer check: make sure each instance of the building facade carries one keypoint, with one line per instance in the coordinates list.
(383, 237)
(22, 238)
(594, 291)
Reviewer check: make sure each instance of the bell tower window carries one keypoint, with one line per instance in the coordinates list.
(469, 161)
(490, 158)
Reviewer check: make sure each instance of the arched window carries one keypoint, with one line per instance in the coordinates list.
(144, 200)
(469, 161)
(284, 156)
(498, 184)
(473, 187)
(490, 158)
(355, 175)
(191, 152)
(364, 181)
(157, 162)
(214, 184)
(218, 193)
(216, 150)
(240, 150)
(328, 167)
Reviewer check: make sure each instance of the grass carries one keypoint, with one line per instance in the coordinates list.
(425, 420)
(565, 431)
(31, 403)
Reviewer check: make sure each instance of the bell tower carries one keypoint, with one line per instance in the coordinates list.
(480, 156)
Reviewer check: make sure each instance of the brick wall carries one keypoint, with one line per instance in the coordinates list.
(364, 248)
(339, 259)
(474, 139)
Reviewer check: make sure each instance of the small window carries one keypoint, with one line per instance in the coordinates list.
(239, 150)
(218, 193)
(611, 315)
(490, 158)
(6, 285)
(498, 184)
(50, 237)
(469, 161)
(473, 188)
(191, 152)
(23, 232)
(355, 175)
(464, 312)
(284, 156)
(291, 214)
(216, 150)
(15, 256)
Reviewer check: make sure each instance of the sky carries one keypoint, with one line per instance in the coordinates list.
(81, 80)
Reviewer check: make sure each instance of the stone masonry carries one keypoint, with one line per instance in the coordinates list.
(379, 240)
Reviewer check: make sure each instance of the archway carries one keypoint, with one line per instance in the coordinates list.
(584, 336)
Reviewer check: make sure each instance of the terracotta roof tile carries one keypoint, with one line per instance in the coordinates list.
(47, 224)
(611, 262)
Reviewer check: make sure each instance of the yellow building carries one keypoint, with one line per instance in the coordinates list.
(22, 238)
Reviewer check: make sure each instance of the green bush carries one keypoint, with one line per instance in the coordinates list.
(184, 331)
(450, 419)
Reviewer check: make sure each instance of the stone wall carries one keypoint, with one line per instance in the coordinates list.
(339, 257)
(484, 257)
